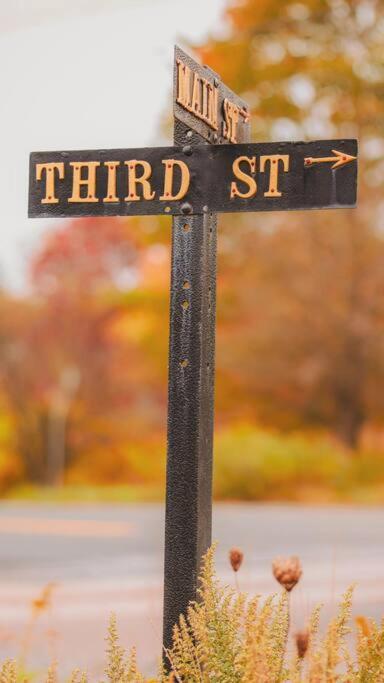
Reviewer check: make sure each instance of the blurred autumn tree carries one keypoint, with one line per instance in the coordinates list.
(82, 374)
(301, 306)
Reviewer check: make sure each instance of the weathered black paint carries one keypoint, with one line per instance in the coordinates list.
(302, 187)
(188, 521)
(190, 422)
(190, 405)
(199, 126)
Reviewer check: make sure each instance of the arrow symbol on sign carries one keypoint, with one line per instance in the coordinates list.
(340, 159)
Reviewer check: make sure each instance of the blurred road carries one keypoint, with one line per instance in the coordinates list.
(105, 558)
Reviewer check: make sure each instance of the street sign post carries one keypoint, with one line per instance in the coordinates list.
(212, 168)
(205, 111)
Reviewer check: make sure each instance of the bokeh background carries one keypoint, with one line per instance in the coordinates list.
(84, 320)
(84, 303)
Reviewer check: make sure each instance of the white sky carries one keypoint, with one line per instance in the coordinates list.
(81, 74)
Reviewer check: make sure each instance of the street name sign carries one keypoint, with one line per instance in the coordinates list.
(207, 178)
(206, 105)
(212, 168)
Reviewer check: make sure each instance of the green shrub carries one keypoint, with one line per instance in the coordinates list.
(260, 465)
(256, 465)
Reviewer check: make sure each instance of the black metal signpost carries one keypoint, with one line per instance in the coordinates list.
(188, 515)
(212, 168)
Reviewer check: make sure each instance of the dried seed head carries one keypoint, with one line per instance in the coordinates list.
(43, 601)
(236, 557)
(287, 571)
(302, 642)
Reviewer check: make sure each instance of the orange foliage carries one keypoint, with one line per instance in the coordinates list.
(83, 358)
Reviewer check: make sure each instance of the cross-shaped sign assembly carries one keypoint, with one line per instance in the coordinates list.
(212, 168)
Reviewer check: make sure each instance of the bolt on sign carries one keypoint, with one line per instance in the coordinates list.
(212, 168)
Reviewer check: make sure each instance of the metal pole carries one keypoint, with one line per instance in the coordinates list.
(188, 519)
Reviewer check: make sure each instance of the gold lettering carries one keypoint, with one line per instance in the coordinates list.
(168, 194)
(183, 84)
(204, 105)
(50, 169)
(215, 107)
(274, 160)
(196, 95)
(231, 118)
(143, 180)
(111, 182)
(211, 110)
(244, 177)
(89, 182)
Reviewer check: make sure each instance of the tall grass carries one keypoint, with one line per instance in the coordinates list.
(229, 637)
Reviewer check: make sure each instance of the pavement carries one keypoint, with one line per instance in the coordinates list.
(98, 559)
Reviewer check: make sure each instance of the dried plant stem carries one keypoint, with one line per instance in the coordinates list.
(228, 638)
(26, 640)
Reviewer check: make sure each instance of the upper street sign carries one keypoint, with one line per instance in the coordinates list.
(202, 102)
(206, 178)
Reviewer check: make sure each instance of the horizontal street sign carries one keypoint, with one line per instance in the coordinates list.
(204, 103)
(193, 180)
